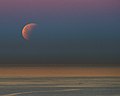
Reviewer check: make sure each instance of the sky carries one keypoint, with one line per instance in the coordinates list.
(59, 72)
(69, 33)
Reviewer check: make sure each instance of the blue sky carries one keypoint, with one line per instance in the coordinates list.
(69, 33)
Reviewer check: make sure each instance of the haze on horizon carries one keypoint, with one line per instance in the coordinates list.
(59, 72)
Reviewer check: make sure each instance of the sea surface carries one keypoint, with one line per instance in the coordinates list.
(59, 86)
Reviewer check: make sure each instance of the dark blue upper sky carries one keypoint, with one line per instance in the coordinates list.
(69, 32)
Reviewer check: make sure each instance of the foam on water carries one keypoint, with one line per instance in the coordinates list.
(60, 86)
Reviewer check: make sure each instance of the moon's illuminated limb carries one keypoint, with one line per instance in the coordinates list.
(27, 30)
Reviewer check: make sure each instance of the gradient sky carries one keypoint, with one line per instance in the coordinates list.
(69, 33)
(58, 71)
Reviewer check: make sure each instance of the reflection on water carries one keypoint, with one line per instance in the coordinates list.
(60, 86)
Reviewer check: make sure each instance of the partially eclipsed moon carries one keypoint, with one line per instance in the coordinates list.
(27, 30)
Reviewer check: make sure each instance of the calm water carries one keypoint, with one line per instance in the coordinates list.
(60, 86)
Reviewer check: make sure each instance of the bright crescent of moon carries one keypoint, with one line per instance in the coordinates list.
(27, 30)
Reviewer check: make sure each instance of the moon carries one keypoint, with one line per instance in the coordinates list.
(27, 30)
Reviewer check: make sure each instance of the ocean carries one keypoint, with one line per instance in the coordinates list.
(59, 86)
